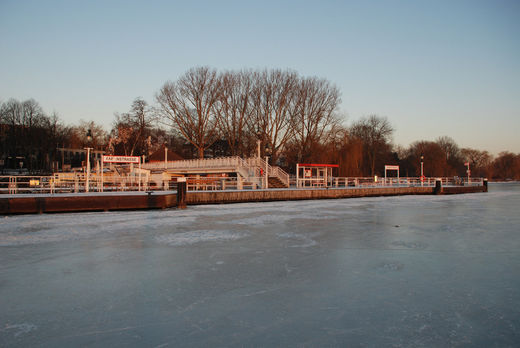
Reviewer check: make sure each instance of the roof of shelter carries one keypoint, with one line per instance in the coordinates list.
(318, 165)
(158, 156)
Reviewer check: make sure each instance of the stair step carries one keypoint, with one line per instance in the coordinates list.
(275, 182)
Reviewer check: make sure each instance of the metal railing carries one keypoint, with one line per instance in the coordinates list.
(248, 168)
(76, 182)
(271, 170)
(404, 182)
(220, 162)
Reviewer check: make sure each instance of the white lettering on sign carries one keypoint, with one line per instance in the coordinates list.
(121, 159)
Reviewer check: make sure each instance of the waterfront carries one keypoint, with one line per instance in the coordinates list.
(390, 271)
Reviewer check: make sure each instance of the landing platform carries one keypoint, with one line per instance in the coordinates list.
(61, 203)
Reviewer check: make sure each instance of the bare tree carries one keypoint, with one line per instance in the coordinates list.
(434, 158)
(132, 129)
(233, 110)
(99, 135)
(190, 104)
(271, 101)
(28, 135)
(313, 113)
(375, 132)
(478, 160)
(449, 146)
(453, 154)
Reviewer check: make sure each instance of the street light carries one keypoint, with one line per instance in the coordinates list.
(422, 169)
(267, 152)
(89, 139)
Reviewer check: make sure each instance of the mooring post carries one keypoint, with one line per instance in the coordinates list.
(181, 193)
(438, 187)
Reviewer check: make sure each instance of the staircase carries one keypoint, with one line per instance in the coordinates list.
(275, 182)
(249, 170)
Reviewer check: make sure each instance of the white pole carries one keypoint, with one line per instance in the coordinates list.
(326, 177)
(266, 172)
(297, 175)
(258, 142)
(165, 157)
(102, 182)
(139, 173)
(145, 186)
(422, 175)
(87, 188)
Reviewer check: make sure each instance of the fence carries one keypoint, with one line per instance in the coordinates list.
(77, 182)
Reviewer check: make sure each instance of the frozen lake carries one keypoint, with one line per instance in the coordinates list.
(412, 271)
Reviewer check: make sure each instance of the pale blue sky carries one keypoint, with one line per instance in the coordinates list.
(433, 68)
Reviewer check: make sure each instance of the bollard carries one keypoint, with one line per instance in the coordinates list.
(485, 185)
(438, 187)
(181, 193)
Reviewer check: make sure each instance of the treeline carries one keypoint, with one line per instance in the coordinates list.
(290, 118)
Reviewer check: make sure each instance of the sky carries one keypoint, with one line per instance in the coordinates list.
(433, 68)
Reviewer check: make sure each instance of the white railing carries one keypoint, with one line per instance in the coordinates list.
(405, 182)
(76, 182)
(271, 170)
(221, 162)
(221, 183)
(249, 168)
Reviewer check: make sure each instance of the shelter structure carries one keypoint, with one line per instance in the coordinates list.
(163, 154)
(314, 175)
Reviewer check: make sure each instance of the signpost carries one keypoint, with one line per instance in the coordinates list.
(392, 167)
(121, 159)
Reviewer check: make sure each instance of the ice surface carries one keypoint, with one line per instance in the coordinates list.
(414, 271)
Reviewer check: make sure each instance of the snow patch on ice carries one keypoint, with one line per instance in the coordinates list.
(193, 237)
(24, 230)
(409, 245)
(390, 267)
(20, 329)
(306, 241)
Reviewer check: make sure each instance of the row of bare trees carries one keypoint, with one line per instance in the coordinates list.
(27, 134)
(275, 107)
(293, 119)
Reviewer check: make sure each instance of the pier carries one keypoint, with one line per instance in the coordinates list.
(83, 202)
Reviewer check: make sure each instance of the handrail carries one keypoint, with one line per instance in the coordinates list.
(196, 163)
(271, 170)
(76, 182)
(249, 165)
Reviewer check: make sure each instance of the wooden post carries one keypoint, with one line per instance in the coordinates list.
(181, 193)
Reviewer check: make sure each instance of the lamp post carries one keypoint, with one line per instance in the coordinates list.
(422, 169)
(468, 171)
(89, 139)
